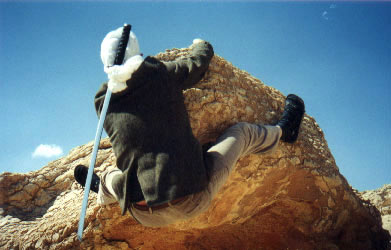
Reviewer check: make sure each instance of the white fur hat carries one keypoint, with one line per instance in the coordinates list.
(110, 43)
(119, 74)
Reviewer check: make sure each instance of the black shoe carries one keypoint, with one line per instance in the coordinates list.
(291, 118)
(80, 174)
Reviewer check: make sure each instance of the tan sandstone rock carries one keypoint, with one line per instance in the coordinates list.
(381, 198)
(294, 198)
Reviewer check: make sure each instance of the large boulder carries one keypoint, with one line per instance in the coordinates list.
(293, 198)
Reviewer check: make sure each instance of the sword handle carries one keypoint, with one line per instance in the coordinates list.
(123, 43)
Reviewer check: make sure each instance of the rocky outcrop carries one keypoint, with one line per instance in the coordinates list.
(293, 198)
(381, 199)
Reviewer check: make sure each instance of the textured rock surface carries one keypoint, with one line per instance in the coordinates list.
(294, 198)
(381, 198)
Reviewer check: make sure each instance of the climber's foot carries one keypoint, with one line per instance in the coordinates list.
(80, 174)
(291, 118)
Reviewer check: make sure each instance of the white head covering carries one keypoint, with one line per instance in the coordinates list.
(119, 74)
(110, 44)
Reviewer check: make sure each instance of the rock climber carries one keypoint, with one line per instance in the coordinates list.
(163, 175)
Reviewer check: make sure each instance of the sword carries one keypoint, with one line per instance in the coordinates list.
(119, 57)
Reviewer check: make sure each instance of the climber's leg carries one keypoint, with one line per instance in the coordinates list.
(106, 194)
(237, 141)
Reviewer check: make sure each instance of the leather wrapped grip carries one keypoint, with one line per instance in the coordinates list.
(120, 53)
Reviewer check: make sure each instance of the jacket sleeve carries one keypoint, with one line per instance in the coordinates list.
(99, 98)
(188, 71)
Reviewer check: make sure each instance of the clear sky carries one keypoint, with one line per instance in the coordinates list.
(335, 55)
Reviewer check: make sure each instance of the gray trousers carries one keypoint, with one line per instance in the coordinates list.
(237, 141)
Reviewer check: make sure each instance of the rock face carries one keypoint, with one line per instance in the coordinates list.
(381, 198)
(293, 198)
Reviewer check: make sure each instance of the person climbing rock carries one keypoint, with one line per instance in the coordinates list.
(163, 174)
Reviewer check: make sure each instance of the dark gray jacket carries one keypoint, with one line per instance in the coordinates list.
(149, 129)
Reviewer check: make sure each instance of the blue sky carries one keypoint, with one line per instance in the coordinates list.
(335, 55)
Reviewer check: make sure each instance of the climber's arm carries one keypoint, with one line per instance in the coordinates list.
(190, 70)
